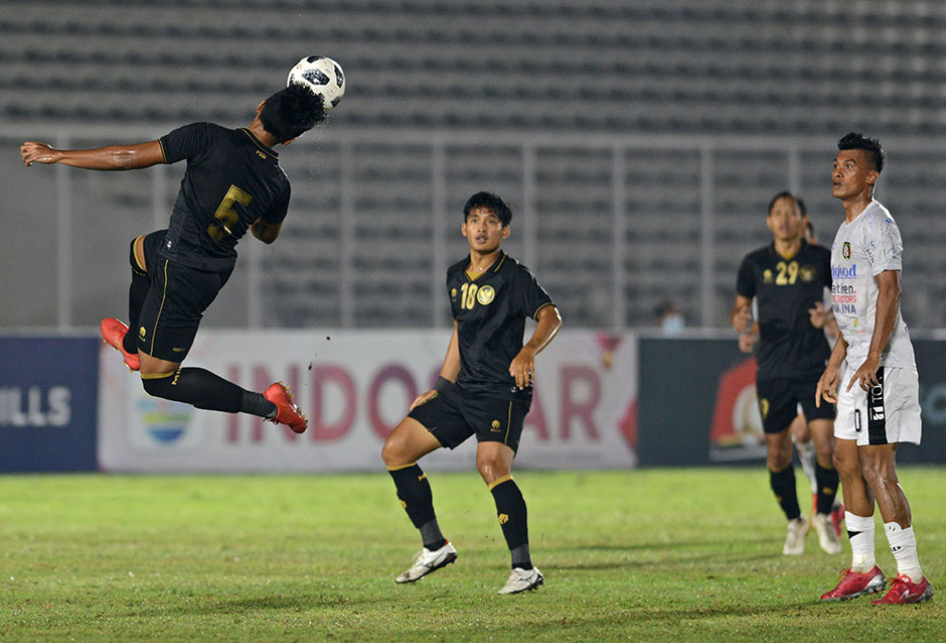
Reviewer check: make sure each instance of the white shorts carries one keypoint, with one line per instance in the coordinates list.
(887, 414)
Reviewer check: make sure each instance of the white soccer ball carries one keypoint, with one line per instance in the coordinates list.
(322, 76)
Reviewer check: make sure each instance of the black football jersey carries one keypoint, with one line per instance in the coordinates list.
(231, 180)
(491, 312)
(785, 290)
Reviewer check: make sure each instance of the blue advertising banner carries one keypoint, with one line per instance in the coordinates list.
(48, 403)
(697, 404)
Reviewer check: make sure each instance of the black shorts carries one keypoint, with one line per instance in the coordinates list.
(452, 418)
(779, 398)
(175, 303)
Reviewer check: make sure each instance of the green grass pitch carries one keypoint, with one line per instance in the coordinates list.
(648, 555)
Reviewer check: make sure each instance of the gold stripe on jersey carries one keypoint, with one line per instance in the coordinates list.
(499, 265)
(535, 315)
(134, 245)
(263, 148)
(164, 153)
(498, 481)
(164, 295)
(508, 424)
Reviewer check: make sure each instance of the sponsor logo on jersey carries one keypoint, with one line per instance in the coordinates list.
(496, 426)
(142, 332)
(764, 407)
(767, 276)
(846, 250)
(842, 272)
(485, 295)
(453, 294)
(503, 519)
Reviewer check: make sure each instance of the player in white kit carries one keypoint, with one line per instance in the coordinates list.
(877, 391)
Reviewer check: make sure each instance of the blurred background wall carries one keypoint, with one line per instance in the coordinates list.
(638, 141)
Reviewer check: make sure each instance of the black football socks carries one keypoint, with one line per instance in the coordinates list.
(827, 480)
(140, 284)
(204, 390)
(513, 518)
(413, 490)
(783, 485)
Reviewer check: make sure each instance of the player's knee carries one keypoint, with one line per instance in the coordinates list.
(162, 386)
(778, 457)
(491, 469)
(393, 453)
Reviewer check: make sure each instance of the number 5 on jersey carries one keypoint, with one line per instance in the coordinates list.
(226, 217)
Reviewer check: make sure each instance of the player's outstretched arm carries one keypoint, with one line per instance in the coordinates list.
(111, 157)
(450, 370)
(522, 367)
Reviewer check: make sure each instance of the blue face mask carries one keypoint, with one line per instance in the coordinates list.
(672, 325)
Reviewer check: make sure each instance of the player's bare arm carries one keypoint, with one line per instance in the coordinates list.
(449, 372)
(888, 300)
(265, 232)
(828, 383)
(111, 157)
(522, 367)
(741, 315)
(749, 338)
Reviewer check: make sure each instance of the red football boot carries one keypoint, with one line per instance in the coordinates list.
(854, 584)
(903, 591)
(113, 332)
(286, 410)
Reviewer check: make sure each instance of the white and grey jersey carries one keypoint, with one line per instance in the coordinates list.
(862, 249)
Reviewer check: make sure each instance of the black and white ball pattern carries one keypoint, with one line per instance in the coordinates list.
(322, 76)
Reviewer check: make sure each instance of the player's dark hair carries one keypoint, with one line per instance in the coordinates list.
(491, 202)
(871, 146)
(291, 112)
(786, 194)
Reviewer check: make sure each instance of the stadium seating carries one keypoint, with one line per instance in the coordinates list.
(534, 101)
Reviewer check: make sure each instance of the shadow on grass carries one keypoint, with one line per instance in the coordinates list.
(209, 606)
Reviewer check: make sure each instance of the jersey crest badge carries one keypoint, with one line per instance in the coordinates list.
(807, 274)
(485, 295)
(846, 250)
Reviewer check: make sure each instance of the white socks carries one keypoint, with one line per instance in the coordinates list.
(903, 546)
(862, 543)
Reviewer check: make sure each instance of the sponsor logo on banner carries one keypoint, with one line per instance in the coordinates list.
(355, 388)
(35, 406)
(737, 423)
(156, 424)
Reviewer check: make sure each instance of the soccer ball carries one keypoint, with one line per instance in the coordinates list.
(322, 76)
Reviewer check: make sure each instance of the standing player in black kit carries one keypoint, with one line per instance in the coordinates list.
(484, 389)
(787, 278)
(233, 183)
